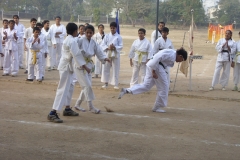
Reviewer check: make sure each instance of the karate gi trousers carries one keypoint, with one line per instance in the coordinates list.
(10, 64)
(56, 54)
(136, 69)
(161, 84)
(115, 65)
(236, 74)
(64, 90)
(98, 67)
(50, 58)
(35, 69)
(225, 65)
(20, 53)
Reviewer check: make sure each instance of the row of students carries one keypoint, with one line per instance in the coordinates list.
(228, 56)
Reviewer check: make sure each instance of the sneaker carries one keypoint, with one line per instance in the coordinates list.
(123, 91)
(49, 68)
(54, 68)
(39, 80)
(211, 88)
(94, 110)
(105, 86)
(14, 75)
(54, 118)
(235, 88)
(159, 110)
(79, 108)
(223, 89)
(26, 72)
(70, 112)
(5, 74)
(21, 67)
(116, 87)
(29, 80)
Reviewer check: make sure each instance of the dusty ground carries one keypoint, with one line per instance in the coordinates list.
(198, 124)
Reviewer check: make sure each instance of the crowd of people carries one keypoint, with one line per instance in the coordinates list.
(70, 49)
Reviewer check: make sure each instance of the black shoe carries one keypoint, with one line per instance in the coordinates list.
(42, 78)
(26, 72)
(54, 118)
(29, 80)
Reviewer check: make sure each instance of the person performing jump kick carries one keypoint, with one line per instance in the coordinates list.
(156, 74)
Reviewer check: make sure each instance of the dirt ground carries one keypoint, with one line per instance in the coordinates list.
(198, 124)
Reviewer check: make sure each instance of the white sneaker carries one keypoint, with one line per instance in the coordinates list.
(211, 88)
(94, 110)
(104, 86)
(116, 87)
(223, 89)
(49, 68)
(123, 91)
(159, 110)
(79, 108)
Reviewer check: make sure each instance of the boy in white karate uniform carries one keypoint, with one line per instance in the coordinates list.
(70, 53)
(20, 42)
(1, 47)
(98, 37)
(10, 64)
(44, 50)
(139, 55)
(112, 45)
(163, 43)
(89, 48)
(153, 35)
(236, 66)
(35, 44)
(51, 43)
(226, 49)
(5, 26)
(59, 31)
(28, 33)
(157, 75)
(81, 30)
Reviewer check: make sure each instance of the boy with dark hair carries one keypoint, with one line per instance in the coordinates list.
(81, 30)
(35, 44)
(139, 55)
(28, 33)
(51, 42)
(44, 50)
(20, 42)
(157, 75)
(98, 37)
(10, 64)
(163, 43)
(59, 31)
(153, 35)
(5, 26)
(70, 52)
(112, 45)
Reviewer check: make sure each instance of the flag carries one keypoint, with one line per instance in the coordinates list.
(117, 21)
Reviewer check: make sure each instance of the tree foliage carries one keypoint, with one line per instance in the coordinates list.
(228, 11)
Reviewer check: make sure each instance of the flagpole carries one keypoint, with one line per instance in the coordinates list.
(191, 55)
(157, 20)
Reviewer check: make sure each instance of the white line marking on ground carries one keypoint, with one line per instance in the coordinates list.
(114, 132)
(205, 68)
(11, 92)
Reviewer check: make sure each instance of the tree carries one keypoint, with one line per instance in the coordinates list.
(228, 11)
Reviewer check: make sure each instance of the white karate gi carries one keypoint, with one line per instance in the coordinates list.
(116, 40)
(50, 42)
(70, 53)
(1, 50)
(236, 71)
(43, 51)
(224, 61)
(11, 64)
(153, 37)
(161, 44)
(141, 49)
(20, 42)
(98, 38)
(167, 57)
(27, 34)
(35, 47)
(89, 49)
(59, 42)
